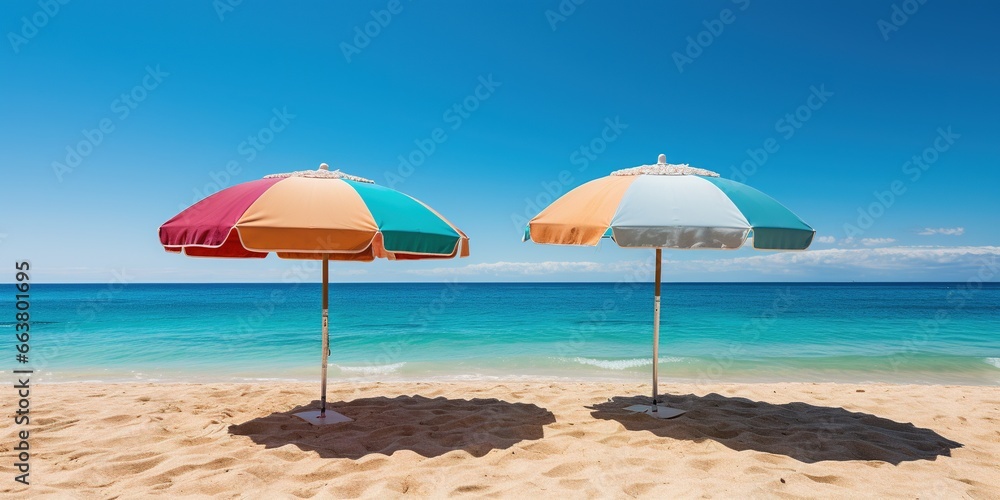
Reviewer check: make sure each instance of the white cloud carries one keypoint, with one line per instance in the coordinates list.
(895, 260)
(826, 239)
(947, 231)
(871, 242)
(531, 268)
(884, 259)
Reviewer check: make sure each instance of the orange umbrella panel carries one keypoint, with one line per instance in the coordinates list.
(307, 216)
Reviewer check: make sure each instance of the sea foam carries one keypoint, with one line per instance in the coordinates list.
(622, 364)
(371, 369)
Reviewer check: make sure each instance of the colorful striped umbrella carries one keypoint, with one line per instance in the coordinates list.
(668, 206)
(313, 214)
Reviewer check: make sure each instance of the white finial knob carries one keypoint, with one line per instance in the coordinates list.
(662, 159)
(324, 166)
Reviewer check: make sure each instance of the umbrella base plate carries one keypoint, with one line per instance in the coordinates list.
(661, 411)
(331, 417)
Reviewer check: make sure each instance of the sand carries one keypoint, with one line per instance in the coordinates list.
(510, 439)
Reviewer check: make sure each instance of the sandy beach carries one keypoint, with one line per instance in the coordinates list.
(498, 439)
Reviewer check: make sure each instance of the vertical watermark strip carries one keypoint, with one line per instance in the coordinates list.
(22, 329)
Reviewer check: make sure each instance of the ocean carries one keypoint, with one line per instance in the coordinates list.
(947, 333)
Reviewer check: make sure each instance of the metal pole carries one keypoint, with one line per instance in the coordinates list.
(326, 331)
(656, 327)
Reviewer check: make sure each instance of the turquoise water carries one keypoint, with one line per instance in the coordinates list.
(926, 333)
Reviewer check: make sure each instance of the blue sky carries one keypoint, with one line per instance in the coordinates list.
(173, 99)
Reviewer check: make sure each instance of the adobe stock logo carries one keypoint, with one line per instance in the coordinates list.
(456, 115)
(582, 157)
(31, 25)
(364, 34)
(565, 9)
(788, 125)
(248, 149)
(898, 16)
(714, 28)
(913, 170)
(122, 107)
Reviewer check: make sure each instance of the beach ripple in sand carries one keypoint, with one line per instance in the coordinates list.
(499, 439)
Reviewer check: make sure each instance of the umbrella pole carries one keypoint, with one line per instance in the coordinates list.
(655, 409)
(321, 417)
(656, 328)
(326, 331)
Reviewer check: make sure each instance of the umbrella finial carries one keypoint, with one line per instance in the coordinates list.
(663, 168)
(323, 172)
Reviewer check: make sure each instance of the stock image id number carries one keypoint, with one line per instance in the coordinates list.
(22, 314)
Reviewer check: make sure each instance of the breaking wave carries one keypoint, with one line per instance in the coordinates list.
(621, 364)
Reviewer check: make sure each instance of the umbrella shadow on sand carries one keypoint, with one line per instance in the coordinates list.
(428, 427)
(802, 431)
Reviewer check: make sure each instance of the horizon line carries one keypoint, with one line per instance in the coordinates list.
(332, 283)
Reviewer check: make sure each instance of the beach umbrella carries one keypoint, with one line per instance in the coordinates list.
(319, 215)
(668, 206)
